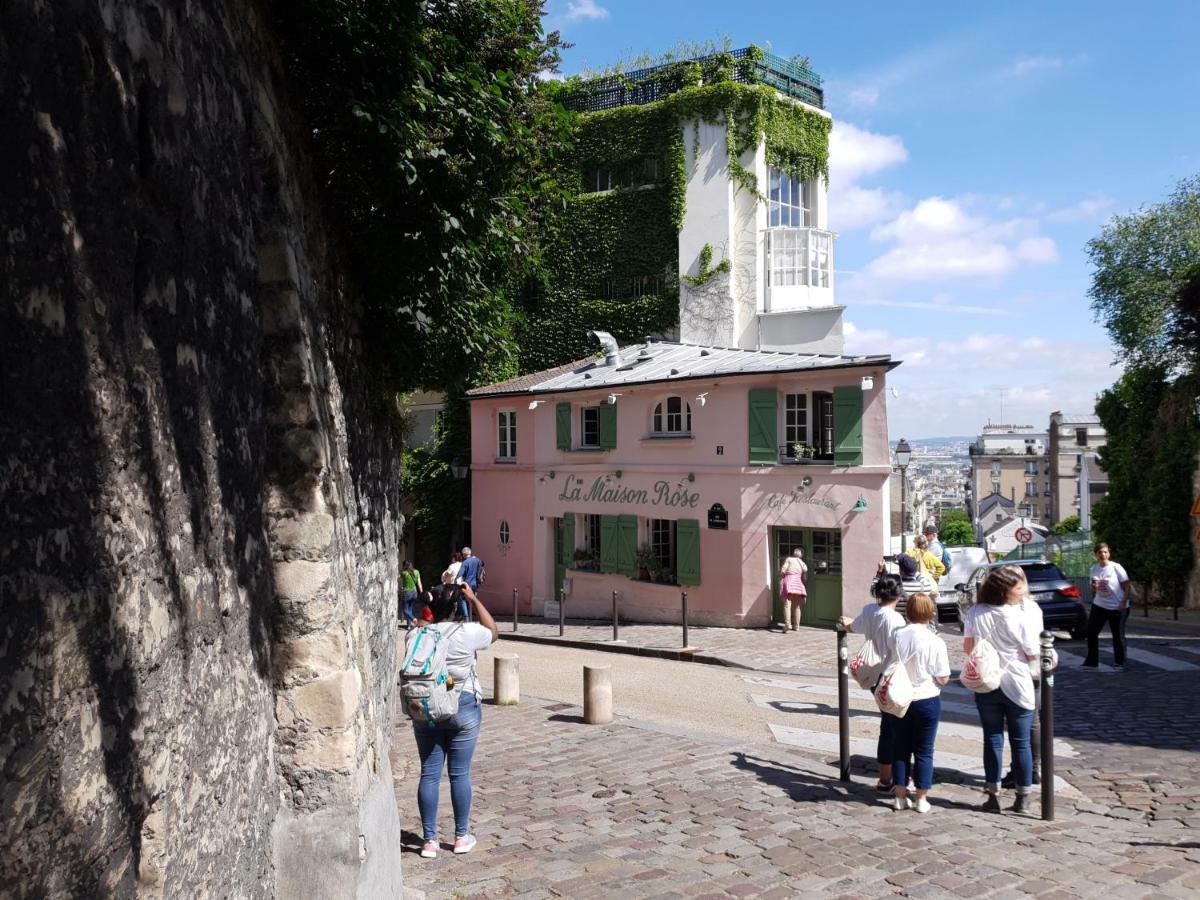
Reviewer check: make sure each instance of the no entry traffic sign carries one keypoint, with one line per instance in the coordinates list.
(1023, 535)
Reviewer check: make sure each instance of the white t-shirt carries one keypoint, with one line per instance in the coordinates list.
(1007, 628)
(466, 639)
(1110, 594)
(879, 625)
(925, 657)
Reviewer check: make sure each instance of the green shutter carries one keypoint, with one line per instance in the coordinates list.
(562, 423)
(610, 547)
(763, 418)
(568, 540)
(687, 551)
(627, 555)
(608, 426)
(847, 426)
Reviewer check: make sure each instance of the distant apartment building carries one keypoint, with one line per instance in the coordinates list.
(1011, 461)
(1076, 480)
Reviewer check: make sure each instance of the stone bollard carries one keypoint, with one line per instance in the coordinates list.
(507, 681)
(597, 695)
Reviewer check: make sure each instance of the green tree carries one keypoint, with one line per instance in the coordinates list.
(432, 145)
(1146, 290)
(1069, 525)
(956, 533)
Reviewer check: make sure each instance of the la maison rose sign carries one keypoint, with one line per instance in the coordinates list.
(603, 490)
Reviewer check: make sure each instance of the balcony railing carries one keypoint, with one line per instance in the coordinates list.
(799, 257)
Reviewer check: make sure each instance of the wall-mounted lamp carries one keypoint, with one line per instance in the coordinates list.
(868, 382)
(702, 398)
(618, 473)
(459, 467)
(861, 505)
(534, 404)
(691, 476)
(612, 399)
(549, 475)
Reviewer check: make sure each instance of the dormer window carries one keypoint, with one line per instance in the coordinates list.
(673, 416)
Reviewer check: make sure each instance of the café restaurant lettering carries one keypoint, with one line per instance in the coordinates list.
(603, 491)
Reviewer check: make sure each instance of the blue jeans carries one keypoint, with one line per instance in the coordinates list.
(450, 744)
(996, 711)
(410, 606)
(914, 739)
(464, 608)
(885, 750)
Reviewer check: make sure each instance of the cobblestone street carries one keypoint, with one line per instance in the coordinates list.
(642, 808)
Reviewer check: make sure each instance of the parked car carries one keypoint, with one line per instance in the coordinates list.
(963, 562)
(1062, 606)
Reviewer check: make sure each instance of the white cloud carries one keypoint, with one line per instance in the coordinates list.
(959, 384)
(1028, 64)
(938, 239)
(853, 154)
(1088, 208)
(581, 10)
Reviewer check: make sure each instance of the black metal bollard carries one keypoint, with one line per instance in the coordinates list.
(843, 670)
(562, 602)
(616, 628)
(514, 609)
(1047, 726)
(685, 640)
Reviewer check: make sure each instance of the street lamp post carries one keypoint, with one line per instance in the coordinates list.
(903, 455)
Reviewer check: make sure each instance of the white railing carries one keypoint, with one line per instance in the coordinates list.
(799, 257)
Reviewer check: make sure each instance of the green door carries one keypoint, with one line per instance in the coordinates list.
(823, 554)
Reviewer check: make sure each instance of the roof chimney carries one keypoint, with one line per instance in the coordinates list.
(612, 353)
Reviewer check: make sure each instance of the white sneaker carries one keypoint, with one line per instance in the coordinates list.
(464, 844)
(922, 805)
(901, 803)
(429, 849)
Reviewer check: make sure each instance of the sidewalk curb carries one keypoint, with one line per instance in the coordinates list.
(681, 655)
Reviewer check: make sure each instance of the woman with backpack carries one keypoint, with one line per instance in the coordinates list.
(998, 620)
(878, 622)
(451, 744)
(928, 667)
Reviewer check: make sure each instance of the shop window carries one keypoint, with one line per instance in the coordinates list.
(661, 564)
(673, 416)
(588, 556)
(795, 423)
(506, 437)
(589, 427)
(826, 552)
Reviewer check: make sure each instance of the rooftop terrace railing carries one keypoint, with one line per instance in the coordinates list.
(642, 86)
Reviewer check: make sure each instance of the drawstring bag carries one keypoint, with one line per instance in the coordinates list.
(866, 666)
(894, 692)
(981, 673)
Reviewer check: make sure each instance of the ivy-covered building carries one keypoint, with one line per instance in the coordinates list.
(697, 212)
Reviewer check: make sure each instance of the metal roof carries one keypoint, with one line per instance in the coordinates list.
(667, 361)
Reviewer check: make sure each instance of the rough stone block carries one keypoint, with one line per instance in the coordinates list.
(312, 531)
(328, 752)
(277, 262)
(321, 651)
(328, 702)
(300, 580)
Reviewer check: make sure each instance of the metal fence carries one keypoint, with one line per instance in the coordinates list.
(642, 86)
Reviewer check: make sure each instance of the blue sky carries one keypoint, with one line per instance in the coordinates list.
(976, 150)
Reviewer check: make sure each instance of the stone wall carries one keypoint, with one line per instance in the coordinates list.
(198, 491)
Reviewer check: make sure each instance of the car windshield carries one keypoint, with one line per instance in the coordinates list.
(1042, 572)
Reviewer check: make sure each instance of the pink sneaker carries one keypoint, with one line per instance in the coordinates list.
(429, 849)
(464, 844)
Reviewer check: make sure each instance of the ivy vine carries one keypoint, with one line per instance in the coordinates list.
(707, 270)
(601, 246)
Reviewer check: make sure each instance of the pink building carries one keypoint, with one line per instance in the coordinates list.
(668, 467)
